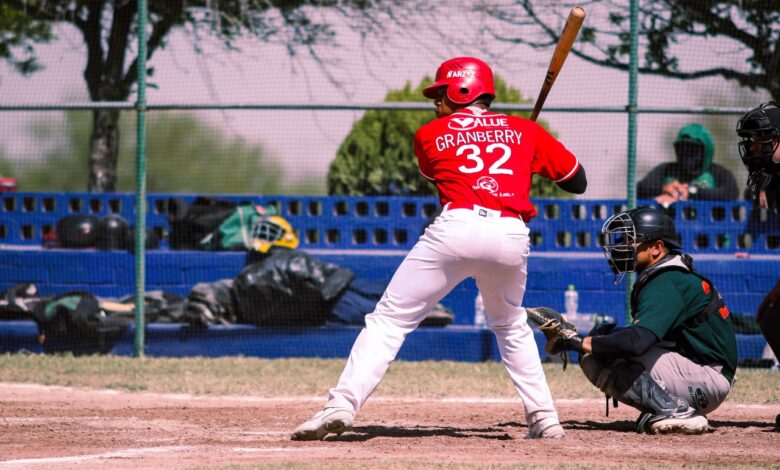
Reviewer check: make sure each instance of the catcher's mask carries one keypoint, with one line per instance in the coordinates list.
(760, 132)
(623, 232)
(465, 79)
(273, 231)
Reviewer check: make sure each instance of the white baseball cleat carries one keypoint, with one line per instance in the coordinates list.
(329, 420)
(690, 422)
(546, 428)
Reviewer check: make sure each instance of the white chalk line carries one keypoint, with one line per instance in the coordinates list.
(118, 454)
(144, 451)
(320, 399)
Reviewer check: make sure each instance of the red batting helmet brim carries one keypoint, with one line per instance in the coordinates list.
(432, 91)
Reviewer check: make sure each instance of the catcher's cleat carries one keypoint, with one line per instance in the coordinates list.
(689, 422)
(329, 420)
(547, 428)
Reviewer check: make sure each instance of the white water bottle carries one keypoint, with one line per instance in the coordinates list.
(571, 301)
(480, 320)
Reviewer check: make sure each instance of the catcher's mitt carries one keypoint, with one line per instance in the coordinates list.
(561, 335)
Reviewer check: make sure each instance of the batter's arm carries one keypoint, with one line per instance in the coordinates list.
(577, 184)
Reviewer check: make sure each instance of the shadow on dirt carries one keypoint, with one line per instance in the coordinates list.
(364, 433)
(767, 426)
(617, 426)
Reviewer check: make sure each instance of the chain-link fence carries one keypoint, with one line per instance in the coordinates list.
(309, 113)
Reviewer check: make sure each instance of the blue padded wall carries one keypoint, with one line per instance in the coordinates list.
(742, 282)
(348, 222)
(370, 235)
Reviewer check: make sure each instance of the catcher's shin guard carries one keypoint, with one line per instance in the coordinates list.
(630, 383)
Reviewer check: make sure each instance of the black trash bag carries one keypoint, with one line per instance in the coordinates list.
(211, 303)
(289, 287)
(191, 223)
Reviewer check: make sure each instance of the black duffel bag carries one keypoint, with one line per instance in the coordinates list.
(191, 223)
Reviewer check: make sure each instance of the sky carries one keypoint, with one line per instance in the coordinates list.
(305, 142)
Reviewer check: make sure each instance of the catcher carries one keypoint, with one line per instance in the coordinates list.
(676, 361)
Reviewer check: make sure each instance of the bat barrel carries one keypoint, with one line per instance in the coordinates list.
(562, 48)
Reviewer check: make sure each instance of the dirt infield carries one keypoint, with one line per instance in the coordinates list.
(60, 427)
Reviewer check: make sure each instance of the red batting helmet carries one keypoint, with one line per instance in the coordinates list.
(466, 79)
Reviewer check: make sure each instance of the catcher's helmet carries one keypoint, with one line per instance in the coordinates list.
(760, 132)
(273, 231)
(623, 232)
(466, 79)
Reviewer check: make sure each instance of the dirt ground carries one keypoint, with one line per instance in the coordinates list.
(60, 427)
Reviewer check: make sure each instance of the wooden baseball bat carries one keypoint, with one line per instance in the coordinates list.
(569, 33)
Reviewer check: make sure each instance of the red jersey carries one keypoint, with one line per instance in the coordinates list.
(480, 157)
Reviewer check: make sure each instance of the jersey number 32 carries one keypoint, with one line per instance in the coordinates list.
(472, 152)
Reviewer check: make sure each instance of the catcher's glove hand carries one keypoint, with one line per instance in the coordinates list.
(602, 329)
(561, 335)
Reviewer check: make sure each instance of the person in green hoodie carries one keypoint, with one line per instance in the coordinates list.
(693, 174)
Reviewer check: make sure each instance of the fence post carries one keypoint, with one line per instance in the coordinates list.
(633, 71)
(140, 183)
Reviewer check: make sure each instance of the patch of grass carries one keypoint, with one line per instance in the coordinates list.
(304, 377)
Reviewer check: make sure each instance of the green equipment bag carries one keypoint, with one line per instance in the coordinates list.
(251, 228)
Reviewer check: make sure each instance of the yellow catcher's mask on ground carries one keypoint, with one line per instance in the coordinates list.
(273, 231)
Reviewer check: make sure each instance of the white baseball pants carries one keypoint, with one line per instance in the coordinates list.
(459, 244)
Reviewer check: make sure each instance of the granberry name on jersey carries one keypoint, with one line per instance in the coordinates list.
(507, 136)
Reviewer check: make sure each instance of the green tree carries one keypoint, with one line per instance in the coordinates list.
(751, 26)
(109, 29)
(184, 155)
(6, 168)
(377, 157)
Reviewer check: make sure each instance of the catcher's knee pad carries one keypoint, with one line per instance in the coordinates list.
(630, 383)
(597, 371)
(592, 368)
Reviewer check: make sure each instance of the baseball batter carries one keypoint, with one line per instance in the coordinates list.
(481, 163)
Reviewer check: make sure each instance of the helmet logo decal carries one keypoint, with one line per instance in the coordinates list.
(461, 74)
(488, 184)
